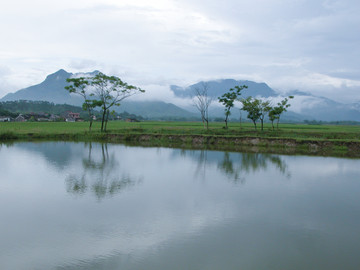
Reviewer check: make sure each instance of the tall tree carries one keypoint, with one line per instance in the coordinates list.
(274, 114)
(111, 90)
(265, 107)
(202, 102)
(252, 107)
(80, 86)
(228, 100)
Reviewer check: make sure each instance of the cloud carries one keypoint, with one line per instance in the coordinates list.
(83, 64)
(298, 44)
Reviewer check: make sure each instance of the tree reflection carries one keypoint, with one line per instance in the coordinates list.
(250, 162)
(237, 165)
(227, 166)
(100, 175)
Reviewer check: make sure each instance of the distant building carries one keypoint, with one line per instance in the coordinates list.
(20, 118)
(72, 117)
(54, 117)
(5, 119)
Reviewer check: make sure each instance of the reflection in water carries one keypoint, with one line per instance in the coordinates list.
(250, 162)
(173, 220)
(236, 166)
(100, 175)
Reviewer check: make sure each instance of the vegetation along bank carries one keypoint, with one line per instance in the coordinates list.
(289, 139)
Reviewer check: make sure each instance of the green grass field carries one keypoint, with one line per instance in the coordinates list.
(293, 131)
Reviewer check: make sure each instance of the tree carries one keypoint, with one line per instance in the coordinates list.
(251, 106)
(101, 91)
(256, 109)
(228, 100)
(275, 112)
(80, 86)
(111, 90)
(265, 107)
(202, 102)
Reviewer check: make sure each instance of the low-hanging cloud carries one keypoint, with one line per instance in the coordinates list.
(305, 45)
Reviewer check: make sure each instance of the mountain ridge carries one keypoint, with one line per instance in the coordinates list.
(217, 88)
(303, 106)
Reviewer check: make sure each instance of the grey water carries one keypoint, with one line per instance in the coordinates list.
(67, 205)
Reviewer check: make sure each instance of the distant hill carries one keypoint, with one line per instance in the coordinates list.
(25, 106)
(158, 110)
(304, 106)
(14, 108)
(6, 113)
(52, 90)
(219, 87)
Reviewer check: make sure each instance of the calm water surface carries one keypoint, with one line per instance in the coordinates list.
(108, 206)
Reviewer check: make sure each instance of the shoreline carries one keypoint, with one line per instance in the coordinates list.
(255, 144)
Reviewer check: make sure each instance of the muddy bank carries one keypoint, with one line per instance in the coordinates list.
(340, 148)
(244, 144)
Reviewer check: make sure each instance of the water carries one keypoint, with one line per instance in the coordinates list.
(107, 206)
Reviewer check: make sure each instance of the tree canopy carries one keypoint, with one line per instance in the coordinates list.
(101, 91)
(228, 100)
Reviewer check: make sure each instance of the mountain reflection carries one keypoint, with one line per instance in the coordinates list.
(100, 175)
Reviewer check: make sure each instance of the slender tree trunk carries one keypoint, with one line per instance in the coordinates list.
(255, 125)
(277, 124)
(207, 119)
(226, 122)
(240, 121)
(91, 120)
(262, 124)
(103, 119)
(90, 125)
(106, 120)
(272, 124)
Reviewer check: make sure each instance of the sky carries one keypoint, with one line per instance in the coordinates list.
(309, 45)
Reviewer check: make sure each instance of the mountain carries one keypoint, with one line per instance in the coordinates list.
(323, 109)
(156, 110)
(304, 106)
(219, 87)
(52, 90)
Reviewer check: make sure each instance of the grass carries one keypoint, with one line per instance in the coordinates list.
(290, 138)
(80, 129)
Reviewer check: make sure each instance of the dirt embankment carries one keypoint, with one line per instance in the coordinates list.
(252, 144)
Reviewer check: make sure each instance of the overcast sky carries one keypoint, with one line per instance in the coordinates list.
(310, 45)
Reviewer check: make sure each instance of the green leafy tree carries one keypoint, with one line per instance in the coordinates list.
(111, 90)
(265, 107)
(228, 100)
(252, 107)
(80, 86)
(275, 112)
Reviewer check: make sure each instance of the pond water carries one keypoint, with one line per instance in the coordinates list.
(108, 206)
